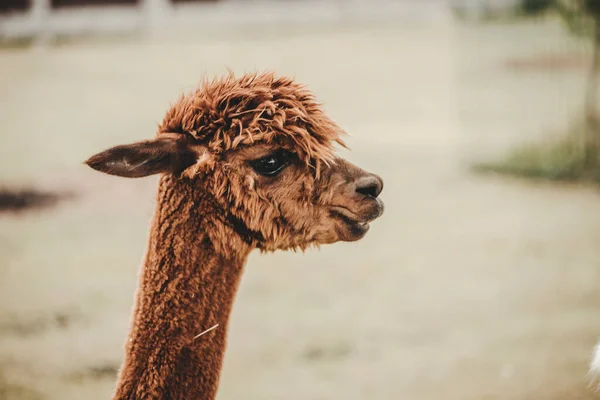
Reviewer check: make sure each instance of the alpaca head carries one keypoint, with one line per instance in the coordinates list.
(261, 150)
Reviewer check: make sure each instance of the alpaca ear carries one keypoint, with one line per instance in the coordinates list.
(161, 155)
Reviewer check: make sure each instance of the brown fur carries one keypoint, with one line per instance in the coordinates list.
(214, 207)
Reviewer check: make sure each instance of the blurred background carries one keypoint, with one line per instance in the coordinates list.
(482, 279)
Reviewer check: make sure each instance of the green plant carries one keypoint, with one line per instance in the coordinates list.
(564, 159)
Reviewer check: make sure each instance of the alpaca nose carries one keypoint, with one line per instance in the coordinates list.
(370, 185)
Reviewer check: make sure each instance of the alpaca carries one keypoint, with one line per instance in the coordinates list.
(245, 162)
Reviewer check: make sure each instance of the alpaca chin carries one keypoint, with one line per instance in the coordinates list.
(595, 366)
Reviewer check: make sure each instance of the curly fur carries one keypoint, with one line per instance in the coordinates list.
(229, 112)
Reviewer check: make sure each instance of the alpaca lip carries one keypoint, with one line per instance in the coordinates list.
(352, 218)
(356, 229)
(347, 215)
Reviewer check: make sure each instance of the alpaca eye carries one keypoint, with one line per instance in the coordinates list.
(271, 164)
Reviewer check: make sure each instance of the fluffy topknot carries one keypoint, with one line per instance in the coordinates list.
(229, 111)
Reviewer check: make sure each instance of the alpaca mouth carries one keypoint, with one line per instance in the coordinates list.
(356, 226)
(353, 223)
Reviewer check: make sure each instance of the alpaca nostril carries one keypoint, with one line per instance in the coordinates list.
(370, 185)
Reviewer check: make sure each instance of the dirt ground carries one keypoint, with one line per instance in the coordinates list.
(469, 287)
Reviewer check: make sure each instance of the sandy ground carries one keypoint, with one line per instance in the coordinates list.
(469, 287)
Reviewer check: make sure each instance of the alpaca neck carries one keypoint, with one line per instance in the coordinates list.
(187, 285)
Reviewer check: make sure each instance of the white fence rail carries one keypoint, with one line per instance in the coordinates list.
(41, 21)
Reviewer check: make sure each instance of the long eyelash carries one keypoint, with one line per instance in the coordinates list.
(285, 153)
